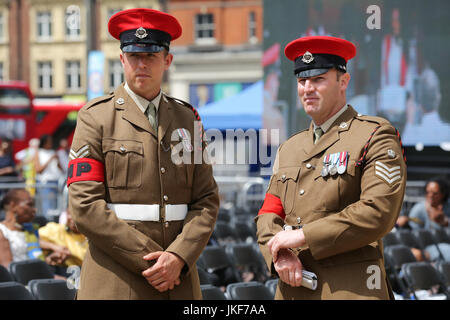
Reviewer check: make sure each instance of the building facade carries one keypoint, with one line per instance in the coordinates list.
(219, 53)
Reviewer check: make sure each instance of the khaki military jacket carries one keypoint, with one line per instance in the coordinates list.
(343, 216)
(138, 169)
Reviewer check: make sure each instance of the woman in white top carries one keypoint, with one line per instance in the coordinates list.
(48, 172)
(19, 207)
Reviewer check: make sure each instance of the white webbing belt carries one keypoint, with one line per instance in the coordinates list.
(148, 212)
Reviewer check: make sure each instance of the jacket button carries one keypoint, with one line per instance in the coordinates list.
(299, 220)
(283, 177)
(165, 198)
(163, 170)
(308, 165)
(122, 148)
(302, 192)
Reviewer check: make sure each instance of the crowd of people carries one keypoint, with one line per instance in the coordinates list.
(40, 165)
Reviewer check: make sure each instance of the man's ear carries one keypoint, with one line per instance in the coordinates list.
(168, 60)
(344, 80)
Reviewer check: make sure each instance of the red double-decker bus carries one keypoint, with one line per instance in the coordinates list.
(17, 114)
(22, 117)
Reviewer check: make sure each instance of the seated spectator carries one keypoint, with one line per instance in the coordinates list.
(64, 241)
(433, 212)
(18, 236)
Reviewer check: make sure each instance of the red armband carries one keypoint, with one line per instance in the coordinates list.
(85, 169)
(272, 204)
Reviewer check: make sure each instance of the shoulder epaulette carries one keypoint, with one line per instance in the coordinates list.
(97, 100)
(184, 103)
(374, 119)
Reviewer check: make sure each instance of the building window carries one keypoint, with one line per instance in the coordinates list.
(72, 22)
(45, 78)
(252, 27)
(116, 76)
(73, 75)
(204, 28)
(44, 25)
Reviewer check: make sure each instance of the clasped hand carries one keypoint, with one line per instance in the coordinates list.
(286, 263)
(165, 273)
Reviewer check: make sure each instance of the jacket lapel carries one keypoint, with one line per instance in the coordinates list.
(330, 137)
(165, 116)
(131, 112)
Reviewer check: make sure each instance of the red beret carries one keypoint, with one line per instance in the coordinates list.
(133, 19)
(320, 44)
(317, 54)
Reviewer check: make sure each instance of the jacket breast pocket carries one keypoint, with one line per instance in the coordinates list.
(123, 163)
(287, 182)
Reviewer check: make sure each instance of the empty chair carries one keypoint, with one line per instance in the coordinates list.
(51, 289)
(444, 269)
(407, 238)
(390, 239)
(224, 233)
(203, 276)
(14, 291)
(24, 271)
(244, 231)
(224, 215)
(272, 285)
(210, 292)
(397, 255)
(217, 262)
(249, 291)
(5, 276)
(440, 235)
(423, 276)
(428, 243)
(247, 261)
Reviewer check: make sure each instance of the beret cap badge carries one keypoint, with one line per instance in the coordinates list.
(141, 33)
(308, 57)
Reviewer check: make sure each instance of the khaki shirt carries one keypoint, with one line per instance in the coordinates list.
(343, 216)
(138, 169)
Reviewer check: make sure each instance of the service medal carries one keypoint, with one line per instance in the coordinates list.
(326, 161)
(334, 163)
(343, 156)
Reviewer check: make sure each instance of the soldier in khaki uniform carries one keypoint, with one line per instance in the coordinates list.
(138, 189)
(336, 189)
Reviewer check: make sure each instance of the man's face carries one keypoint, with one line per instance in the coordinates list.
(24, 207)
(434, 195)
(144, 71)
(321, 95)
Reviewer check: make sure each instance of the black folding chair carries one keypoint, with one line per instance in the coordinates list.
(444, 270)
(51, 289)
(245, 231)
(24, 271)
(217, 262)
(5, 276)
(426, 239)
(395, 256)
(440, 235)
(210, 292)
(246, 259)
(272, 285)
(390, 239)
(224, 233)
(14, 291)
(249, 291)
(423, 276)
